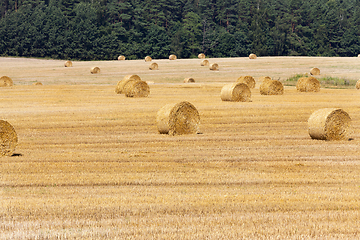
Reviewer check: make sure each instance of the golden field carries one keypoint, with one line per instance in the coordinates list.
(90, 163)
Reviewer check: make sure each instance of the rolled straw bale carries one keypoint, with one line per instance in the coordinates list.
(154, 66)
(204, 63)
(249, 80)
(148, 59)
(359, 55)
(8, 138)
(236, 92)
(308, 84)
(136, 88)
(315, 71)
(214, 67)
(252, 56)
(95, 70)
(120, 85)
(5, 81)
(68, 64)
(37, 83)
(189, 80)
(329, 124)
(271, 87)
(201, 56)
(177, 119)
(172, 57)
(357, 84)
(121, 57)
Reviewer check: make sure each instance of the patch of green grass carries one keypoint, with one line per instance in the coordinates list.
(291, 81)
(326, 82)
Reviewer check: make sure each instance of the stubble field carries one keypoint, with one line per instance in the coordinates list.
(90, 163)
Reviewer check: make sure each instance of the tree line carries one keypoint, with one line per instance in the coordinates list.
(104, 29)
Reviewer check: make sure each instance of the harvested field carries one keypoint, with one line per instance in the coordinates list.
(90, 163)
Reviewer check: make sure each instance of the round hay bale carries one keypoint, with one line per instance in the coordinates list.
(189, 80)
(214, 67)
(95, 70)
(120, 85)
(308, 84)
(8, 139)
(264, 79)
(271, 87)
(177, 119)
(154, 66)
(252, 56)
(357, 84)
(5, 81)
(329, 124)
(201, 56)
(37, 84)
(172, 57)
(249, 80)
(148, 59)
(204, 63)
(315, 71)
(236, 92)
(136, 88)
(68, 64)
(359, 55)
(121, 57)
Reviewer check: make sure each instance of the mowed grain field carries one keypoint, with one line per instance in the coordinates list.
(90, 163)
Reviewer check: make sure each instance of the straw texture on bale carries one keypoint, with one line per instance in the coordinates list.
(214, 67)
(249, 80)
(68, 64)
(315, 71)
(95, 70)
(252, 56)
(8, 138)
(201, 56)
(357, 84)
(236, 92)
(177, 119)
(136, 88)
(172, 57)
(271, 87)
(5, 81)
(263, 79)
(329, 124)
(121, 57)
(308, 84)
(204, 62)
(37, 83)
(154, 66)
(189, 80)
(148, 59)
(120, 85)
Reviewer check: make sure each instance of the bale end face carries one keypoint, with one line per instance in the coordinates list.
(5, 81)
(8, 139)
(68, 64)
(172, 57)
(315, 71)
(201, 56)
(214, 67)
(154, 66)
(204, 63)
(252, 56)
(121, 58)
(95, 70)
(148, 59)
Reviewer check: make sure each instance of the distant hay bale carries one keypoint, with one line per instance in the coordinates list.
(214, 67)
(271, 87)
(177, 119)
(201, 56)
(37, 83)
(120, 85)
(263, 79)
(189, 80)
(121, 57)
(357, 84)
(315, 71)
(359, 55)
(252, 56)
(5, 81)
(95, 70)
(236, 92)
(148, 59)
(68, 64)
(329, 124)
(136, 88)
(8, 139)
(308, 84)
(154, 66)
(172, 57)
(204, 63)
(249, 80)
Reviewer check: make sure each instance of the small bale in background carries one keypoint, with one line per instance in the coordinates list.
(95, 70)
(8, 139)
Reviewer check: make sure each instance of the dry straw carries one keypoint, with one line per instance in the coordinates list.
(95, 70)
(357, 84)
(137, 88)
(204, 63)
(154, 66)
(252, 56)
(121, 57)
(172, 57)
(5, 81)
(249, 80)
(148, 59)
(37, 83)
(308, 84)
(8, 138)
(315, 71)
(201, 56)
(120, 85)
(68, 64)
(271, 87)
(177, 119)
(189, 80)
(329, 124)
(236, 92)
(214, 67)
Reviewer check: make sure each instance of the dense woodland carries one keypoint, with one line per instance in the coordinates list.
(105, 29)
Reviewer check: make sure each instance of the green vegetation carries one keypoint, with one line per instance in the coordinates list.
(326, 82)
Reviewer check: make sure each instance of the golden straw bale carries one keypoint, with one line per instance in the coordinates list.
(136, 88)
(236, 92)
(189, 80)
(154, 66)
(204, 63)
(357, 84)
(5, 81)
(95, 70)
(172, 57)
(315, 71)
(148, 59)
(121, 57)
(308, 84)
(252, 56)
(249, 80)
(201, 56)
(214, 67)
(68, 64)
(120, 85)
(271, 87)
(177, 119)
(329, 124)
(263, 79)
(37, 84)
(8, 139)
